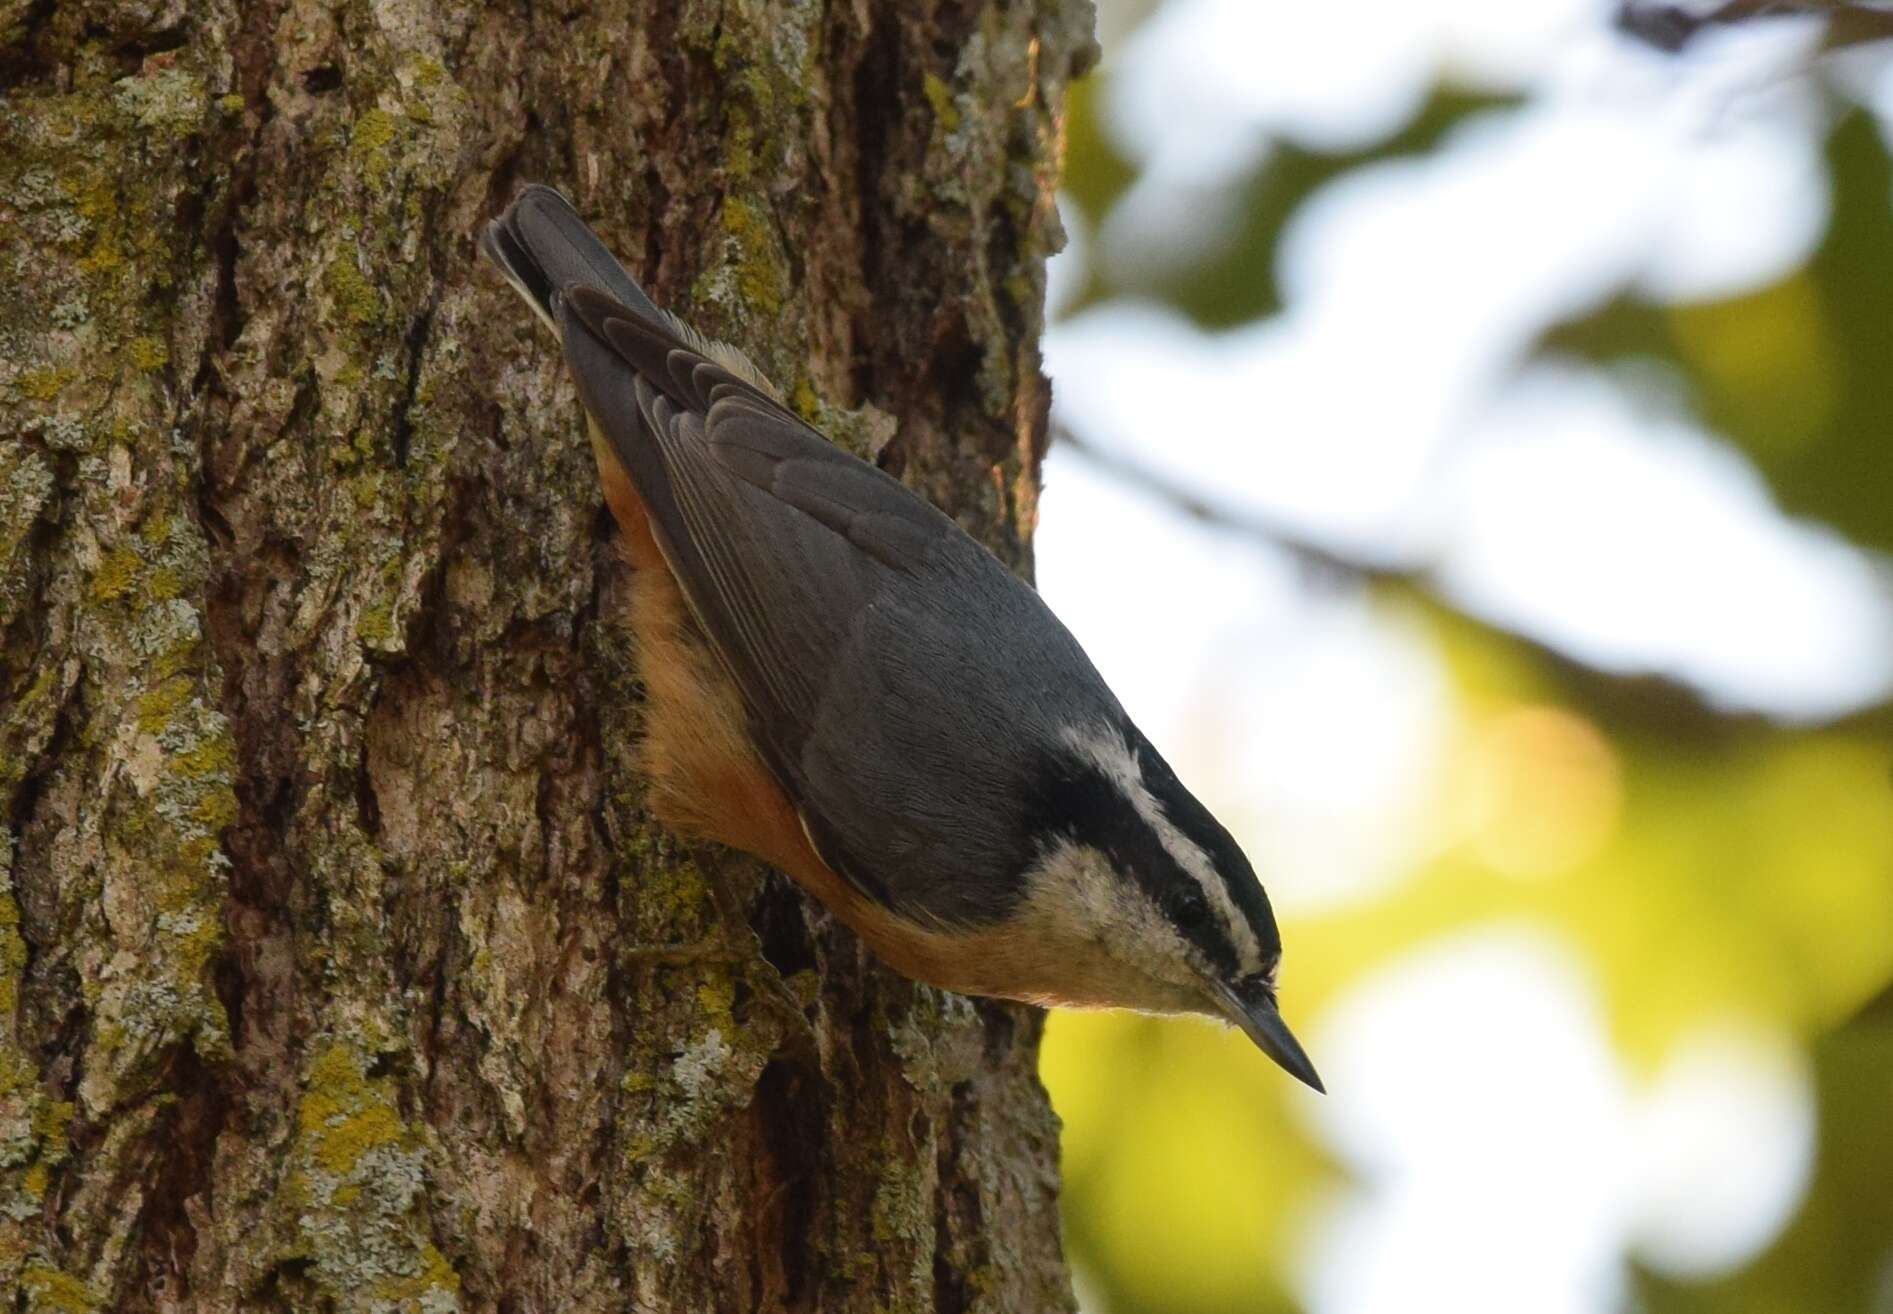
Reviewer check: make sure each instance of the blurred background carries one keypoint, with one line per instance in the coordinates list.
(1475, 473)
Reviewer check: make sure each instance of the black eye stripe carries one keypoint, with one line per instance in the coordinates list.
(1075, 799)
(1194, 821)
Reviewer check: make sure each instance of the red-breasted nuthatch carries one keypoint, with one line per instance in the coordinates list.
(843, 683)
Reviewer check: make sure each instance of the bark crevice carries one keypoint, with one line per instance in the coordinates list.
(327, 856)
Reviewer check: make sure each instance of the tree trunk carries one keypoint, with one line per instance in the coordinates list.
(326, 862)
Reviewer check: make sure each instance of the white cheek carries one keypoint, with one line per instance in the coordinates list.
(1085, 910)
(1150, 940)
(1111, 755)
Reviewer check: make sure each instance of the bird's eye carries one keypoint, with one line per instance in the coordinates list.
(1188, 907)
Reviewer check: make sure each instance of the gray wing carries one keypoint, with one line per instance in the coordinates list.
(890, 665)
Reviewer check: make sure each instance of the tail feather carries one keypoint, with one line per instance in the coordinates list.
(542, 247)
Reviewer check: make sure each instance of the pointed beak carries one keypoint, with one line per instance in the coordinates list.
(1255, 1012)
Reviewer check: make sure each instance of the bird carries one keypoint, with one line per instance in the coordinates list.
(842, 682)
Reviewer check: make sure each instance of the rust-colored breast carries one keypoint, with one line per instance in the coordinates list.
(708, 781)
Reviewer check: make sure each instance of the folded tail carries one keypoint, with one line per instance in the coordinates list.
(542, 247)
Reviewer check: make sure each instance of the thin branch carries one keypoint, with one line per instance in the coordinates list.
(1671, 27)
(1321, 565)
(1657, 702)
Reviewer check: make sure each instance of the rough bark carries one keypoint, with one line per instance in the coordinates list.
(325, 862)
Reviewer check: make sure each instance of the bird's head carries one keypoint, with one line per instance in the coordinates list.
(1140, 868)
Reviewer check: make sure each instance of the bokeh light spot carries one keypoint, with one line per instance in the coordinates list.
(1544, 792)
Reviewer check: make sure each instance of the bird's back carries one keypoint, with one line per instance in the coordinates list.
(889, 664)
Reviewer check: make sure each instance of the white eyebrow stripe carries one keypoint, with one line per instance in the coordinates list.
(1105, 749)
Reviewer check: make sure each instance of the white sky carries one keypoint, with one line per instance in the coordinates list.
(1385, 411)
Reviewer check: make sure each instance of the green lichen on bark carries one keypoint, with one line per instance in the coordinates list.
(356, 1173)
(47, 1288)
(316, 690)
(98, 549)
(34, 1126)
(940, 97)
(26, 491)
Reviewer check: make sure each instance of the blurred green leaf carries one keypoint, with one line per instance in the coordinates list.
(1235, 282)
(1837, 1254)
(1707, 867)
(1096, 172)
(1184, 1169)
(1798, 374)
(1745, 878)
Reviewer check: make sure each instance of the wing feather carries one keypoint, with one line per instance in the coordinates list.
(891, 666)
(778, 540)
